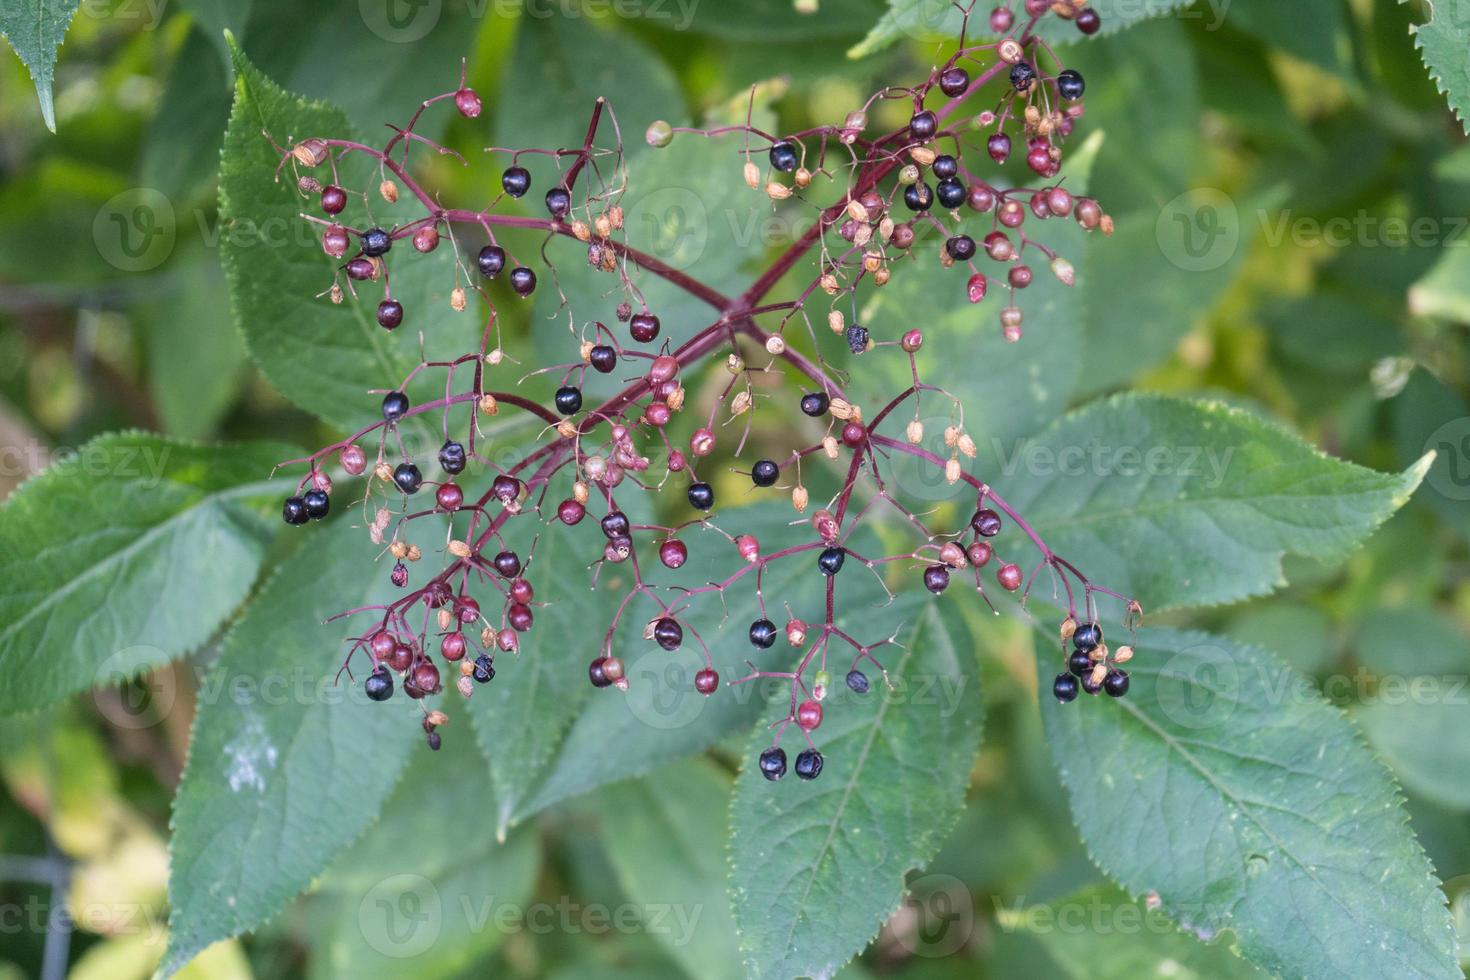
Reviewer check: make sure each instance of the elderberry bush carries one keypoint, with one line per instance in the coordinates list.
(881, 203)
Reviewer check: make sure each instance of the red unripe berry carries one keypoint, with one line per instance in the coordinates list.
(335, 241)
(912, 340)
(521, 591)
(467, 102)
(449, 497)
(854, 435)
(519, 617)
(702, 443)
(570, 512)
(979, 554)
(382, 645)
(977, 287)
(998, 246)
(749, 547)
(1088, 21)
(1039, 159)
(506, 640)
(706, 681)
(664, 368)
(676, 461)
(426, 678)
(1059, 201)
(1001, 20)
(1020, 276)
(613, 669)
(1039, 207)
(999, 147)
(353, 460)
(809, 714)
(1009, 577)
(401, 658)
(1035, 8)
(334, 199)
(360, 269)
(1012, 214)
(426, 239)
(673, 553)
(505, 488)
(657, 414)
(453, 647)
(980, 198)
(467, 609)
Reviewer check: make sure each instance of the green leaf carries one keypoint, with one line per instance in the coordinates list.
(215, 18)
(1442, 41)
(323, 357)
(1300, 632)
(765, 21)
(438, 907)
(1314, 30)
(35, 29)
(1226, 788)
(287, 766)
(1180, 503)
(1099, 934)
(1410, 641)
(1442, 293)
(1432, 417)
(662, 835)
(816, 867)
(125, 556)
(191, 340)
(922, 20)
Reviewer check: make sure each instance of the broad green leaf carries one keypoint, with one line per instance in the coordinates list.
(191, 339)
(663, 836)
(1410, 641)
(1179, 503)
(1431, 417)
(194, 105)
(1100, 934)
(323, 357)
(1224, 787)
(1442, 41)
(1332, 333)
(439, 906)
(765, 21)
(1417, 724)
(1300, 633)
(34, 29)
(922, 20)
(1443, 292)
(816, 867)
(126, 555)
(216, 17)
(287, 765)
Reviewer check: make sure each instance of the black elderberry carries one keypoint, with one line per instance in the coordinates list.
(1022, 75)
(597, 673)
(857, 338)
(603, 358)
(918, 197)
(395, 406)
(376, 242)
(379, 684)
(523, 281)
(616, 524)
(923, 125)
(1088, 21)
(1064, 688)
(516, 181)
(668, 634)
(936, 578)
(1092, 686)
(452, 457)
(857, 681)
(390, 314)
(490, 261)
(1079, 663)
(830, 561)
(763, 634)
(435, 740)
(643, 327)
(1071, 85)
(961, 248)
(815, 404)
(558, 202)
(764, 473)
(569, 400)
(945, 167)
(954, 81)
(1116, 683)
(293, 512)
(1088, 637)
(986, 523)
(484, 670)
(508, 564)
(783, 156)
(701, 496)
(809, 764)
(318, 504)
(773, 763)
(408, 478)
(951, 193)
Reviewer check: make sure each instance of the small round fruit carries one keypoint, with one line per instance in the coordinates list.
(707, 681)
(1092, 686)
(426, 678)
(918, 197)
(334, 199)
(809, 764)
(763, 634)
(318, 504)
(1071, 85)
(936, 578)
(986, 523)
(809, 715)
(857, 681)
(951, 193)
(508, 564)
(468, 103)
(484, 669)
(490, 261)
(570, 512)
(1064, 688)
(1116, 683)
(643, 327)
(395, 406)
(668, 634)
(1088, 637)
(519, 617)
(603, 359)
(558, 202)
(568, 400)
(408, 478)
(1009, 577)
(1088, 21)
(954, 81)
(764, 473)
(453, 647)
(961, 248)
(449, 497)
(523, 281)
(1079, 663)
(923, 125)
(673, 553)
(784, 156)
(616, 524)
(452, 457)
(376, 242)
(701, 496)
(379, 684)
(1023, 75)
(830, 561)
(773, 763)
(597, 673)
(516, 181)
(999, 147)
(293, 512)
(390, 314)
(814, 404)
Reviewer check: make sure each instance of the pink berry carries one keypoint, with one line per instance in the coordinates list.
(353, 460)
(1009, 577)
(467, 102)
(809, 714)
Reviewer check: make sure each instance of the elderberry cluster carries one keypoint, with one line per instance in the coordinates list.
(591, 458)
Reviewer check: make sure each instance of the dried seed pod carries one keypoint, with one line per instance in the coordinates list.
(829, 446)
(752, 175)
(951, 436)
(445, 618)
(830, 285)
(1099, 672)
(777, 191)
(799, 499)
(856, 211)
(414, 553)
(436, 718)
(1068, 628)
(775, 345)
(1010, 51)
(967, 445)
(310, 153)
(841, 409)
(803, 177)
(740, 404)
(581, 493)
(953, 555)
(796, 632)
(734, 364)
(836, 322)
(1124, 654)
(464, 684)
(457, 300)
(602, 225)
(389, 191)
(922, 155)
(383, 471)
(915, 432)
(581, 232)
(952, 471)
(398, 549)
(488, 404)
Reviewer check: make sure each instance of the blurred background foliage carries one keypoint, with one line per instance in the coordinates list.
(1315, 119)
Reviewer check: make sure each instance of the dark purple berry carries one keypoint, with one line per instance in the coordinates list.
(484, 669)
(616, 524)
(701, 496)
(815, 404)
(1116, 683)
(408, 478)
(376, 242)
(763, 634)
(452, 457)
(490, 261)
(783, 156)
(519, 617)
(568, 400)
(857, 338)
(603, 359)
(954, 81)
(597, 673)
(318, 504)
(523, 281)
(379, 684)
(558, 202)
(1022, 76)
(293, 512)
(773, 763)
(395, 406)
(1079, 663)
(334, 199)
(1071, 85)
(1064, 688)
(508, 564)
(830, 561)
(857, 681)
(390, 314)
(668, 634)
(1088, 21)
(986, 523)
(1088, 637)
(764, 473)
(945, 167)
(809, 764)
(961, 248)
(1091, 686)
(918, 197)
(951, 193)
(516, 181)
(936, 578)
(923, 125)
(643, 327)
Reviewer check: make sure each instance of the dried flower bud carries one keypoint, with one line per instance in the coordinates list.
(1099, 653)
(675, 400)
(567, 429)
(1068, 628)
(580, 492)
(463, 683)
(336, 294)
(953, 555)
(796, 632)
(952, 471)
(389, 190)
(436, 718)
(1123, 655)
(856, 211)
(841, 409)
(836, 322)
(580, 231)
(830, 285)
(615, 216)
(310, 153)
(308, 184)
(414, 554)
(734, 364)
(383, 471)
(777, 191)
(967, 445)
(799, 499)
(459, 549)
(446, 619)
(1010, 51)
(803, 177)
(1064, 271)
(602, 225)
(494, 357)
(951, 436)
(752, 175)
(488, 404)
(457, 299)
(1098, 673)
(922, 155)
(740, 404)
(775, 345)
(881, 276)
(398, 549)
(829, 446)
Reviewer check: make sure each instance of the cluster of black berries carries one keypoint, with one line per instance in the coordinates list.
(1091, 667)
